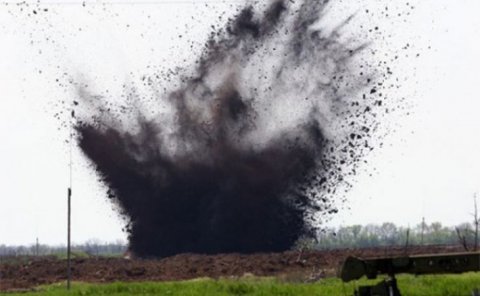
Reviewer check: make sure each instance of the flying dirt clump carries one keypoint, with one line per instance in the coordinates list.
(253, 145)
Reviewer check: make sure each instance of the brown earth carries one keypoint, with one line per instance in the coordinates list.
(28, 272)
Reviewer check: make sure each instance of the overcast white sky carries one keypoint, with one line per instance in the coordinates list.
(430, 166)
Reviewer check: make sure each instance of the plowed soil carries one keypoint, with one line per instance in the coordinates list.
(29, 272)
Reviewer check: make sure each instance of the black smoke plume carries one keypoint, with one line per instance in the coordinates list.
(253, 145)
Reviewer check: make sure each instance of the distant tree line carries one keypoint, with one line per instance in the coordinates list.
(389, 234)
(89, 248)
(355, 236)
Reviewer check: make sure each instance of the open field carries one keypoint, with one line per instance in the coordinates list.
(288, 273)
(414, 286)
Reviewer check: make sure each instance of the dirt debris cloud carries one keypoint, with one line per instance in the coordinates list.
(253, 145)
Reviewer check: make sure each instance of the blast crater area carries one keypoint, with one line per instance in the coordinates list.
(274, 119)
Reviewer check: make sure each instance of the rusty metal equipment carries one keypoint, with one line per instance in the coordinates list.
(354, 268)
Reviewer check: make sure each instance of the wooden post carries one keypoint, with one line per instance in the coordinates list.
(69, 211)
(423, 230)
(476, 222)
(69, 266)
(407, 240)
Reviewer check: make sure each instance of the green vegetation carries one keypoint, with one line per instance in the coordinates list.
(89, 248)
(389, 234)
(413, 286)
(75, 254)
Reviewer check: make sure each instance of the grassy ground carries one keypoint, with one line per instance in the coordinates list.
(455, 285)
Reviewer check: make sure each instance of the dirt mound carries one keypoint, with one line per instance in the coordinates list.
(28, 272)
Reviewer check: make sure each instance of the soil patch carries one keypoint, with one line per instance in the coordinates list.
(27, 272)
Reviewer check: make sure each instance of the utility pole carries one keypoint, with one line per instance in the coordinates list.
(407, 240)
(69, 265)
(69, 206)
(476, 222)
(423, 230)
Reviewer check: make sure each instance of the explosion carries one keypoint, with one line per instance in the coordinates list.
(255, 142)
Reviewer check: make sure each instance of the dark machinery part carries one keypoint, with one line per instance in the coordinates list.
(385, 287)
(355, 268)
